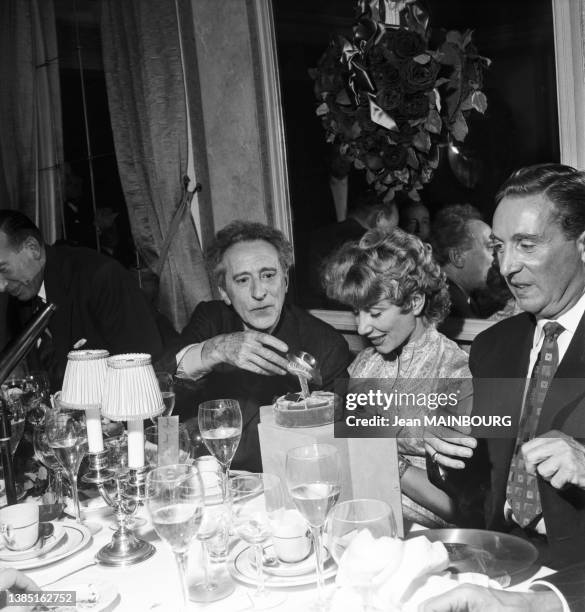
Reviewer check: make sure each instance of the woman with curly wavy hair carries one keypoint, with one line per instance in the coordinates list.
(398, 295)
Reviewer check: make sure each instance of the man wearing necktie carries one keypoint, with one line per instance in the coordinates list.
(99, 305)
(532, 483)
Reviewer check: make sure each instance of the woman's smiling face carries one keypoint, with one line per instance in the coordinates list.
(388, 326)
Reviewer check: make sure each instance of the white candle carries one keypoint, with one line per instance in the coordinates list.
(95, 440)
(135, 444)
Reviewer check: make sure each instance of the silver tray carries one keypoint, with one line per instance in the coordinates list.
(499, 555)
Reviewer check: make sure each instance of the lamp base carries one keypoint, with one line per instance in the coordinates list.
(98, 472)
(125, 549)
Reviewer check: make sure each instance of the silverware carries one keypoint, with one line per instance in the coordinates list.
(42, 586)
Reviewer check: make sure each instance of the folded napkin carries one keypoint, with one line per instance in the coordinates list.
(393, 575)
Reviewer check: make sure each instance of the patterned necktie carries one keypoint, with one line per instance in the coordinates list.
(522, 489)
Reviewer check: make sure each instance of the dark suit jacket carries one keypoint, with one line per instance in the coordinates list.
(98, 300)
(502, 352)
(462, 307)
(296, 327)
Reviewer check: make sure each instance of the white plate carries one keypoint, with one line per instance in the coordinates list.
(242, 568)
(76, 537)
(106, 593)
(42, 547)
(285, 570)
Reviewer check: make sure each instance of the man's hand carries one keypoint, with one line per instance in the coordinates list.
(472, 598)
(248, 350)
(448, 447)
(558, 458)
(16, 582)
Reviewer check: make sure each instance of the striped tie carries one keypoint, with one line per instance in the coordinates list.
(522, 489)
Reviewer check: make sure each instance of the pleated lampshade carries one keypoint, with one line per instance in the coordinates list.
(131, 391)
(84, 381)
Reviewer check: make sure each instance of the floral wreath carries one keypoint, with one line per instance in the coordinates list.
(388, 100)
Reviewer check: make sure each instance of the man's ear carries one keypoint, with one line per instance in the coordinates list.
(581, 246)
(34, 247)
(224, 296)
(417, 303)
(456, 257)
(286, 281)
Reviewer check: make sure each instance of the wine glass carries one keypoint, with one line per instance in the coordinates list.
(174, 498)
(45, 455)
(213, 533)
(253, 523)
(67, 437)
(313, 476)
(15, 395)
(220, 424)
(167, 390)
(347, 519)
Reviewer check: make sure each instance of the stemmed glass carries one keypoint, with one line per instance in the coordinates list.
(253, 523)
(213, 533)
(313, 476)
(44, 453)
(220, 424)
(67, 437)
(15, 395)
(174, 498)
(167, 390)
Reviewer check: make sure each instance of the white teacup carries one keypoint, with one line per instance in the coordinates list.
(290, 537)
(19, 526)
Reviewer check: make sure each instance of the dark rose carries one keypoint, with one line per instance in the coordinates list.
(419, 77)
(394, 157)
(404, 43)
(414, 107)
(385, 75)
(389, 98)
(364, 30)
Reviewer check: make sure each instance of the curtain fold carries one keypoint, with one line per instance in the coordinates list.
(148, 110)
(31, 141)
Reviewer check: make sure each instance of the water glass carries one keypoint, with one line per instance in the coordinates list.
(167, 390)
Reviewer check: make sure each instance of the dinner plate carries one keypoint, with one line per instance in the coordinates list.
(76, 537)
(42, 546)
(487, 552)
(97, 596)
(243, 569)
(283, 569)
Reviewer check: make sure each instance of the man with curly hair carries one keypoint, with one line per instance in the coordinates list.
(235, 347)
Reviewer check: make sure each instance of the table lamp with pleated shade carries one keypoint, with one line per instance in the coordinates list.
(132, 394)
(83, 388)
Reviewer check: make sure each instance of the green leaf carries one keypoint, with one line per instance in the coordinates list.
(370, 177)
(479, 101)
(389, 196)
(423, 58)
(441, 81)
(412, 159)
(467, 36)
(459, 127)
(466, 104)
(342, 98)
(413, 195)
(422, 141)
(433, 122)
(358, 164)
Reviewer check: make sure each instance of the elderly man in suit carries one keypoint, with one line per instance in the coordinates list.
(531, 481)
(236, 347)
(99, 305)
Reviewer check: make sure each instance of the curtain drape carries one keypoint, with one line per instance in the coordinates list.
(149, 115)
(31, 142)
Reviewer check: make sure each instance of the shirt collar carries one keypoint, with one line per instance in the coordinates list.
(43, 292)
(569, 320)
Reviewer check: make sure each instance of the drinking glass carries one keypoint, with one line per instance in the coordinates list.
(151, 445)
(220, 424)
(67, 437)
(213, 534)
(347, 519)
(253, 523)
(15, 394)
(167, 390)
(313, 476)
(44, 453)
(174, 498)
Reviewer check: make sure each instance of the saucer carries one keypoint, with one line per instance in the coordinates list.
(41, 547)
(282, 568)
(243, 569)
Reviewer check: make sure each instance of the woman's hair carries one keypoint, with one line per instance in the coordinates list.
(394, 266)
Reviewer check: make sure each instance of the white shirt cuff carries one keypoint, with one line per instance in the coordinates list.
(553, 588)
(189, 362)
